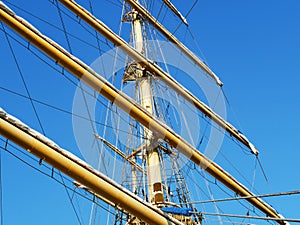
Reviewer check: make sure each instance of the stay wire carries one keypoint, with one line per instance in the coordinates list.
(88, 29)
(188, 13)
(65, 111)
(63, 26)
(207, 124)
(232, 109)
(217, 184)
(97, 38)
(197, 46)
(277, 194)
(62, 178)
(54, 68)
(85, 102)
(237, 170)
(43, 172)
(1, 194)
(80, 85)
(246, 151)
(109, 106)
(50, 24)
(59, 71)
(262, 169)
(217, 208)
(159, 12)
(58, 28)
(252, 184)
(70, 199)
(23, 79)
(212, 124)
(295, 220)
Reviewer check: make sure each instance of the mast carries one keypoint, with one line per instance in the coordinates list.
(154, 22)
(144, 83)
(156, 70)
(75, 168)
(94, 80)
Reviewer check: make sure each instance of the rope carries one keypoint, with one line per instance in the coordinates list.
(70, 199)
(61, 72)
(250, 217)
(50, 24)
(50, 169)
(23, 79)
(1, 194)
(68, 112)
(64, 27)
(296, 192)
(190, 10)
(262, 169)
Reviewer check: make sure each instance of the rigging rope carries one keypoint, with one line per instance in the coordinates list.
(222, 189)
(33, 106)
(251, 217)
(1, 193)
(262, 169)
(186, 16)
(62, 73)
(68, 112)
(63, 26)
(23, 80)
(99, 50)
(49, 174)
(81, 88)
(59, 29)
(296, 192)
(70, 199)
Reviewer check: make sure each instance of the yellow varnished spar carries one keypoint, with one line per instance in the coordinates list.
(94, 80)
(175, 11)
(155, 69)
(153, 21)
(98, 183)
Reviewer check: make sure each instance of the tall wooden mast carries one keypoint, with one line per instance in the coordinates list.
(144, 83)
(75, 168)
(155, 69)
(94, 80)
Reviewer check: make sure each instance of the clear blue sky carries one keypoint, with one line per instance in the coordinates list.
(253, 46)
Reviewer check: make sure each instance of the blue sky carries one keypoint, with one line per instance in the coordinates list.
(252, 46)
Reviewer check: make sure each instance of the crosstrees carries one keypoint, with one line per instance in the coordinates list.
(156, 70)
